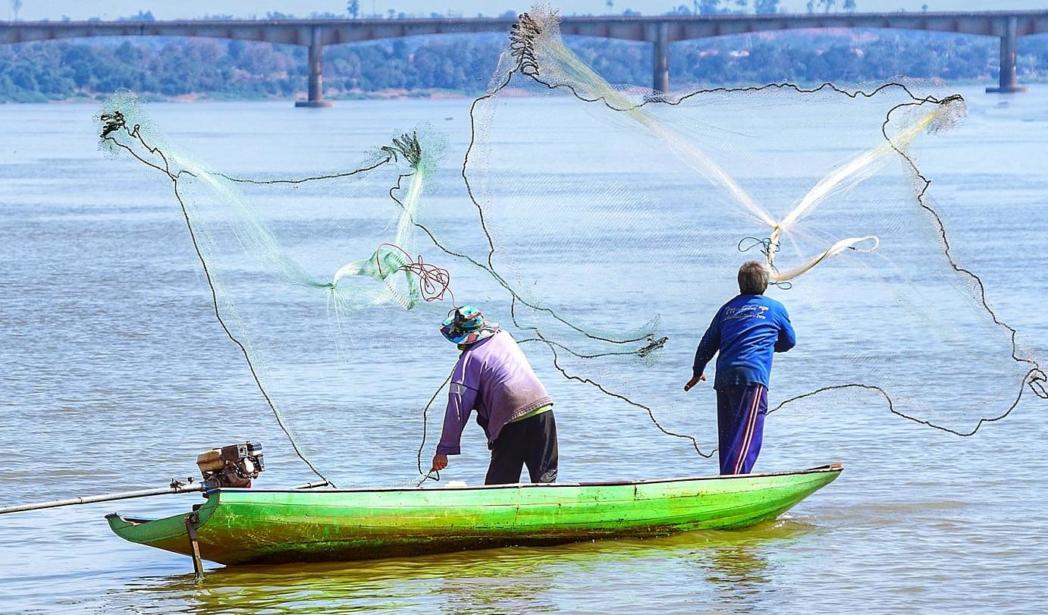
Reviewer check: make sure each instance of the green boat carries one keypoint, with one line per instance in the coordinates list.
(247, 526)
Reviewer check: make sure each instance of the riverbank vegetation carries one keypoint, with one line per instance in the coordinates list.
(171, 68)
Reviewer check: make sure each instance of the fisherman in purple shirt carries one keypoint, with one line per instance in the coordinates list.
(494, 378)
(746, 331)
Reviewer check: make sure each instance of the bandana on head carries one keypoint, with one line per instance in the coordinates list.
(466, 325)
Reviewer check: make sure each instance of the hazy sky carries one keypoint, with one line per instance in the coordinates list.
(167, 9)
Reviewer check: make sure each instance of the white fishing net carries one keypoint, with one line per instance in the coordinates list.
(603, 226)
(822, 183)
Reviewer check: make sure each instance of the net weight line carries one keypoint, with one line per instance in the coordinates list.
(603, 389)
(114, 122)
(652, 343)
(433, 474)
(434, 281)
(522, 47)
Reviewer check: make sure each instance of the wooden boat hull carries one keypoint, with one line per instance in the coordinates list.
(239, 526)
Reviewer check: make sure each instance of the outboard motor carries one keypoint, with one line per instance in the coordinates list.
(235, 465)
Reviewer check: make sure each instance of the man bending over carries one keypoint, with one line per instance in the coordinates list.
(493, 377)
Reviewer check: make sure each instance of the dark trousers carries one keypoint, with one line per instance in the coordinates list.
(531, 442)
(740, 426)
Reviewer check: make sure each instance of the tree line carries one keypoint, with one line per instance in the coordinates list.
(60, 70)
(354, 10)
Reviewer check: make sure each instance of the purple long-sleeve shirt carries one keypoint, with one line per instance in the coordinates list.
(494, 378)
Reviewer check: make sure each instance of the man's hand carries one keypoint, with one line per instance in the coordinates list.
(695, 380)
(440, 462)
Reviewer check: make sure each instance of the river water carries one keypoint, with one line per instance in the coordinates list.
(113, 375)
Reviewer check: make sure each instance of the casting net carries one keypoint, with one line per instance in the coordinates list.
(620, 217)
(603, 226)
(295, 265)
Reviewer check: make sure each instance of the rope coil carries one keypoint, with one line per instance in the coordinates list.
(434, 281)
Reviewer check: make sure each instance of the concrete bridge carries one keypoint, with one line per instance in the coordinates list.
(1008, 26)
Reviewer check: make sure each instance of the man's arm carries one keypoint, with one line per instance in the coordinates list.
(704, 353)
(707, 347)
(461, 398)
(787, 336)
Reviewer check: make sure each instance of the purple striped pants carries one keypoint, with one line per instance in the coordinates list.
(740, 426)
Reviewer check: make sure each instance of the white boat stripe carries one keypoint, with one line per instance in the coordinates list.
(750, 423)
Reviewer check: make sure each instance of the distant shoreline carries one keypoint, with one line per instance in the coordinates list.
(404, 94)
(196, 69)
(193, 97)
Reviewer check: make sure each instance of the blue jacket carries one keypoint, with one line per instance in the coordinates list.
(746, 331)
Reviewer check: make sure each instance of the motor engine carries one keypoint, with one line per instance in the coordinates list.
(235, 465)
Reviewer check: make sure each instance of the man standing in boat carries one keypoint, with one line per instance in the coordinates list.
(746, 331)
(494, 378)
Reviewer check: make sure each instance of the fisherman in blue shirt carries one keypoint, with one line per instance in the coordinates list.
(747, 331)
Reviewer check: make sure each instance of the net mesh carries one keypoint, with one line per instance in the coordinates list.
(603, 226)
(686, 187)
(290, 275)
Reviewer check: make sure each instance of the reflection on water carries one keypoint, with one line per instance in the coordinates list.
(729, 568)
(736, 572)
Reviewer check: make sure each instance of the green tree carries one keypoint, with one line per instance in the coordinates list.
(849, 5)
(709, 7)
(765, 7)
(353, 8)
(56, 70)
(140, 16)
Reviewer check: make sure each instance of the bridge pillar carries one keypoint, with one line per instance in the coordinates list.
(660, 78)
(1009, 81)
(316, 73)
